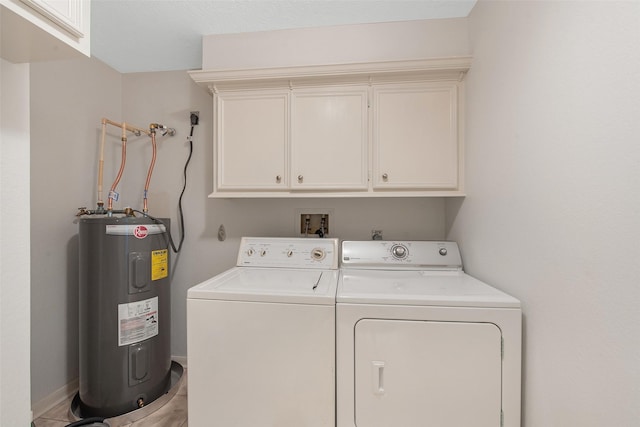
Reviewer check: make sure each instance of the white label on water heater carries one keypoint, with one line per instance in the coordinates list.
(138, 230)
(137, 321)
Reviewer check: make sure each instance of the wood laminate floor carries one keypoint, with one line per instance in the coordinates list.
(171, 414)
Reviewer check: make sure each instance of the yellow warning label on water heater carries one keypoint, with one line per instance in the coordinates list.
(159, 264)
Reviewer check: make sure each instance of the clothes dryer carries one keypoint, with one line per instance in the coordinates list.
(261, 337)
(421, 343)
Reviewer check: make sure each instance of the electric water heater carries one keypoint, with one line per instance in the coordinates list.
(125, 314)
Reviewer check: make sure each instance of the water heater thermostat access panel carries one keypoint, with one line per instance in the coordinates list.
(288, 253)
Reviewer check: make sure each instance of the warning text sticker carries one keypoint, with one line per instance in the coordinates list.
(137, 321)
(159, 264)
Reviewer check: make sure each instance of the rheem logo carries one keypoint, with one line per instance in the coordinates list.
(140, 232)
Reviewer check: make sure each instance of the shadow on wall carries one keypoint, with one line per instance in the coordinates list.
(73, 332)
(452, 207)
(353, 219)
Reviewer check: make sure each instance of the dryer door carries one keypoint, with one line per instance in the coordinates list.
(423, 373)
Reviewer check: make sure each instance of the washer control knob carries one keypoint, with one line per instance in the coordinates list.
(399, 251)
(250, 252)
(318, 254)
(263, 252)
(442, 251)
(289, 253)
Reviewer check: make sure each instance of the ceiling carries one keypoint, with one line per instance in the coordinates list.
(162, 35)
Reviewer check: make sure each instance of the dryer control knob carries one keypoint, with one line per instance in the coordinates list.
(250, 252)
(399, 251)
(442, 251)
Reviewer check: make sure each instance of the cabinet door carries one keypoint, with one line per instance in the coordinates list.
(415, 136)
(329, 138)
(423, 373)
(251, 140)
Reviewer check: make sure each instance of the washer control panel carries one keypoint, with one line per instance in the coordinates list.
(288, 252)
(412, 254)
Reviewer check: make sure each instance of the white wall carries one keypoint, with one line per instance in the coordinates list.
(551, 213)
(339, 44)
(15, 408)
(68, 101)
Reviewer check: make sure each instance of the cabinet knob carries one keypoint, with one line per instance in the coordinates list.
(300, 178)
(278, 179)
(385, 177)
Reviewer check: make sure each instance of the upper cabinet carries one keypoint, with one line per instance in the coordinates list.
(35, 30)
(329, 138)
(252, 140)
(415, 136)
(387, 129)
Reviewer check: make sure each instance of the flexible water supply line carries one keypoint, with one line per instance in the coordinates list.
(153, 162)
(307, 225)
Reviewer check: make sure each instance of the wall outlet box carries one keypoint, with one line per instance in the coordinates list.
(313, 222)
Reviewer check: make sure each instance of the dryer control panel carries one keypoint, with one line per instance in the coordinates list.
(282, 252)
(407, 254)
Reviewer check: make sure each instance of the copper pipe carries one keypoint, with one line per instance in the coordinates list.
(153, 162)
(125, 127)
(130, 128)
(137, 131)
(122, 162)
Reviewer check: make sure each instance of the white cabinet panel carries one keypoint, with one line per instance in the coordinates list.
(329, 139)
(67, 14)
(44, 30)
(415, 136)
(423, 373)
(252, 140)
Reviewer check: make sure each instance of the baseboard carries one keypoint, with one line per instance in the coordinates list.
(66, 392)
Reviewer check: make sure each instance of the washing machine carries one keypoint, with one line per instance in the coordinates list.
(420, 343)
(261, 337)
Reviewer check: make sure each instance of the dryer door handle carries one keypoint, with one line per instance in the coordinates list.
(377, 371)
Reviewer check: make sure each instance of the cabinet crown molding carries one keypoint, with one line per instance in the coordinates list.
(435, 69)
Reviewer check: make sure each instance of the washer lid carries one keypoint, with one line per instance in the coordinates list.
(441, 288)
(298, 286)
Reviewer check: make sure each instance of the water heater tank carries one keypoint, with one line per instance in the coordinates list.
(125, 314)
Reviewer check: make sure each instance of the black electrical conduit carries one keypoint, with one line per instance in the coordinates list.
(194, 122)
(95, 421)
